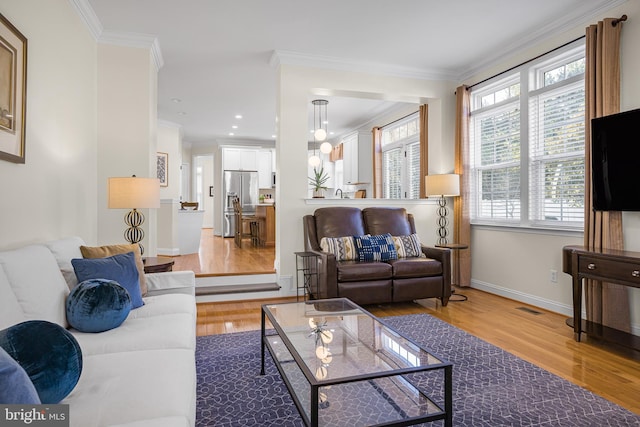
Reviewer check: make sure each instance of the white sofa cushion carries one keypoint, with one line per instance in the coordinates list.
(64, 250)
(134, 386)
(158, 422)
(10, 309)
(152, 333)
(36, 282)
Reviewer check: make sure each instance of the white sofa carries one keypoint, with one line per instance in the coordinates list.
(141, 374)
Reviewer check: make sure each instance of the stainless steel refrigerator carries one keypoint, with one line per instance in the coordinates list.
(243, 184)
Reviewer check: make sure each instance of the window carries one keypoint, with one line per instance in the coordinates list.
(401, 159)
(527, 144)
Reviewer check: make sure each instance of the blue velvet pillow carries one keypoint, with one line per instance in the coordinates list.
(15, 385)
(375, 248)
(97, 305)
(120, 268)
(48, 353)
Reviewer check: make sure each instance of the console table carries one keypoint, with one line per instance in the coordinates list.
(607, 265)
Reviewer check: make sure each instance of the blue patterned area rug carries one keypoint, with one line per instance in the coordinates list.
(490, 386)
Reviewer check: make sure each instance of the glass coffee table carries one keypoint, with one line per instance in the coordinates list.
(344, 366)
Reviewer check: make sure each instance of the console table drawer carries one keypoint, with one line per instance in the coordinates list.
(609, 269)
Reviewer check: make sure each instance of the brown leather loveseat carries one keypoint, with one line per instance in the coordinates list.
(406, 278)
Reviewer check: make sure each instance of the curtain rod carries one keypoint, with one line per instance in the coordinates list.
(525, 62)
(614, 23)
(397, 120)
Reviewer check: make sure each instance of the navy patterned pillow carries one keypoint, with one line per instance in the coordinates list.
(375, 248)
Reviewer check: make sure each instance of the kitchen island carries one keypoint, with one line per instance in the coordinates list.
(268, 233)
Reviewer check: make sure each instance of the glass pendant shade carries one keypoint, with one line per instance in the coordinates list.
(320, 134)
(314, 161)
(326, 147)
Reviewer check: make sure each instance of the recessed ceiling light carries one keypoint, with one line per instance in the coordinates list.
(176, 100)
(234, 127)
(231, 133)
(182, 113)
(238, 116)
(273, 136)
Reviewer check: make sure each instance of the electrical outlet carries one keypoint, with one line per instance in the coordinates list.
(553, 276)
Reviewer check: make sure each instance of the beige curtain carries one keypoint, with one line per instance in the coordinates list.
(606, 303)
(424, 147)
(461, 221)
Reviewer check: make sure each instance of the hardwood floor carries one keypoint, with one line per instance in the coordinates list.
(219, 256)
(540, 337)
(533, 334)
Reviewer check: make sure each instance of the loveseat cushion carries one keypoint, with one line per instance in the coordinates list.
(415, 267)
(354, 271)
(380, 220)
(338, 222)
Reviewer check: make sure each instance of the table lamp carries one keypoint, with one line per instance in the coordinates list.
(134, 193)
(442, 185)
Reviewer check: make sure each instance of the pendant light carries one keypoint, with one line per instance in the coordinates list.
(319, 130)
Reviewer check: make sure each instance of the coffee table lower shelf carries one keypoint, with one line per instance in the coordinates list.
(383, 401)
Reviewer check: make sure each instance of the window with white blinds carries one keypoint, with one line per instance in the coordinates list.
(527, 144)
(401, 159)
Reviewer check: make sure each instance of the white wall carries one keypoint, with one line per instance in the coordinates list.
(54, 193)
(517, 264)
(127, 138)
(295, 85)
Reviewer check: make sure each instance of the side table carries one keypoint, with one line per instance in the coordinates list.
(306, 274)
(454, 266)
(157, 264)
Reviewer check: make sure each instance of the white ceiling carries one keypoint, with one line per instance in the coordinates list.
(217, 53)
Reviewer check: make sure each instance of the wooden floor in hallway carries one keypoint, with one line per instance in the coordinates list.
(219, 256)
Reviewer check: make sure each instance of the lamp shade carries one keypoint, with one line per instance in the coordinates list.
(134, 193)
(442, 185)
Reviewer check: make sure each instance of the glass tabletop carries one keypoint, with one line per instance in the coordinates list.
(335, 340)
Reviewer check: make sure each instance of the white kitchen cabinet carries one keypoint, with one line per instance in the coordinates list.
(265, 168)
(357, 158)
(240, 159)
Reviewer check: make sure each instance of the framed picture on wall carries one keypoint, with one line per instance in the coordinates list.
(163, 169)
(13, 92)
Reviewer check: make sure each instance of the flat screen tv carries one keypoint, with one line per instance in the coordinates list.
(615, 161)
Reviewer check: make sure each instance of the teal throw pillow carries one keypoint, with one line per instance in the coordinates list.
(48, 353)
(97, 305)
(120, 268)
(15, 385)
(375, 248)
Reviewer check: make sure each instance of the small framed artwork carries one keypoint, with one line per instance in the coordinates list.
(13, 92)
(163, 169)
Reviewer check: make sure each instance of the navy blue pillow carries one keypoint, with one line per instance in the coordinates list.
(97, 305)
(48, 353)
(120, 268)
(16, 386)
(375, 248)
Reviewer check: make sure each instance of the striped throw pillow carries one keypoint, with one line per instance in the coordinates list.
(407, 246)
(341, 247)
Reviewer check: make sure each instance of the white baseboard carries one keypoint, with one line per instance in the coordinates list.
(168, 251)
(547, 304)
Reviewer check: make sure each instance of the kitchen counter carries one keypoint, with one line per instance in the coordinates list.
(268, 212)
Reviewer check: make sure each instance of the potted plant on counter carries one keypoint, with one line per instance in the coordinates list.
(318, 181)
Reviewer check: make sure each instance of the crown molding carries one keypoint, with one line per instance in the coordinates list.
(279, 57)
(118, 38)
(563, 24)
(88, 16)
(139, 40)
